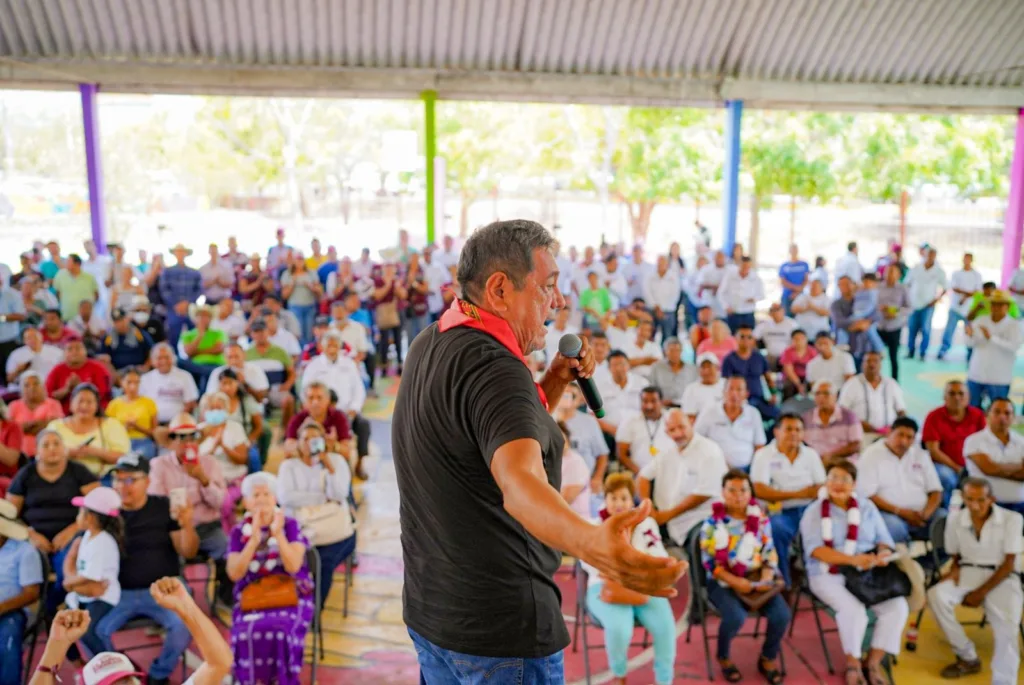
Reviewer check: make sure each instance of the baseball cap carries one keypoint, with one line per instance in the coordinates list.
(108, 667)
(100, 500)
(132, 463)
(708, 357)
(116, 314)
(258, 325)
(322, 320)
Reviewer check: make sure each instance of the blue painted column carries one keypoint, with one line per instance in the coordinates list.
(93, 165)
(731, 173)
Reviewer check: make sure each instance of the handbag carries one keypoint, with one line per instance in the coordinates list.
(877, 584)
(387, 315)
(613, 593)
(327, 523)
(757, 599)
(276, 591)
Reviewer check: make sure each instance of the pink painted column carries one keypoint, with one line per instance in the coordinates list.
(1013, 230)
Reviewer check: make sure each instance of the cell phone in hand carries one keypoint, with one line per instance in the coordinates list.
(317, 446)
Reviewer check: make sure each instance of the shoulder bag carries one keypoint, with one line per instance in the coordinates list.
(327, 523)
(274, 591)
(875, 585)
(387, 312)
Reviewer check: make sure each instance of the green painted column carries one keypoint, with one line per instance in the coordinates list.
(430, 135)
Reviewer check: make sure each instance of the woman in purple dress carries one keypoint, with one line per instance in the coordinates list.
(268, 643)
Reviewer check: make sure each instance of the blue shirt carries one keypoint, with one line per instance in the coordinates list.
(49, 269)
(20, 567)
(871, 532)
(794, 272)
(751, 369)
(130, 349)
(325, 270)
(10, 303)
(180, 283)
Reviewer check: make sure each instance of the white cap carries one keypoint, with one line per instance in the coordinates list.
(708, 357)
(108, 667)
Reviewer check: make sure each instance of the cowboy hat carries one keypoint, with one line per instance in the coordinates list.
(10, 526)
(999, 297)
(195, 310)
(180, 247)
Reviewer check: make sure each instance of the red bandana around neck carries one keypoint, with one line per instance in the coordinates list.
(462, 313)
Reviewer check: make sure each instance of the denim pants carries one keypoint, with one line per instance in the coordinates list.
(949, 478)
(305, 313)
(331, 557)
(952, 322)
(56, 595)
(979, 391)
(668, 325)
(785, 526)
(93, 645)
(174, 325)
(734, 613)
(139, 603)
(12, 633)
(920, 322)
(145, 447)
(618, 621)
(737, 320)
(439, 666)
(902, 531)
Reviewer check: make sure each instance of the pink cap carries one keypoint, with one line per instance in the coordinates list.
(109, 667)
(101, 500)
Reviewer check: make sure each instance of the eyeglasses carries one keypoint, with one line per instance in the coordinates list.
(840, 480)
(195, 436)
(128, 481)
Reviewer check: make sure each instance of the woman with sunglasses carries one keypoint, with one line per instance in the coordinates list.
(843, 530)
(91, 438)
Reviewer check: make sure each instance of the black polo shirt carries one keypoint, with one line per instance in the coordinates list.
(476, 581)
(149, 551)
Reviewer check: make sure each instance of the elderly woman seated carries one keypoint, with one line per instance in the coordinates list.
(274, 600)
(314, 488)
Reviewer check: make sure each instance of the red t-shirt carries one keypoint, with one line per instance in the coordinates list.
(334, 419)
(938, 426)
(789, 356)
(65, 336)
(11, 437)
(90, 372)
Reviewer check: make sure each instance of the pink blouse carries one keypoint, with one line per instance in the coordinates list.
(19, 412)
(720, 350)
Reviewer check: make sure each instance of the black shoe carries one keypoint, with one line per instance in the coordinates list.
(940, 357)
(909, 356)
(158, 681)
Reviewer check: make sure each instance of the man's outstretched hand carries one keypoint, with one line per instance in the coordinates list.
(610, 551)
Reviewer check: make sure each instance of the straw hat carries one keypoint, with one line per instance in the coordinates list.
(196, 309)
(180, 247)
(10, 526)
(999, 297)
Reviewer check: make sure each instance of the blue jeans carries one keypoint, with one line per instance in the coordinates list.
(734, 613)
(1013, 506)
(949, 478)
(305, 313)
(91, 641)
(139, 603)
(668, 325)
(174, 326)
(57, 593)
(414, 325)
(785, 526)
(902, 531)
(787, 301)
(737, 320)
(981, 390)
(144, 446)
(618, 621)
(439, 666)
(12, 633)
(920, 322)
(952, 322)
(331, 557)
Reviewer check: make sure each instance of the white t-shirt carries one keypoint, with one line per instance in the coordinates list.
(711, 275)
(649, 349)
(42, 362)
(878, 407)
(582, 271)
(810, 322)
(903, 481)
(697, 397)
(233, 326)
(774, 469)
(994, 357)
(99, 559)
(849, 265)
(697, 469)
(171, 391)
(963, 280)
(552, 337)
(234, 435)
(834, 370)
(738, 439)
(253, 375)
(621, 403)
(776, 336)
(342, 376)
(286, 341)
(436, 277)
(924, 284)
(618, 338)
(985, 442)
(354, 335)
(645, 438)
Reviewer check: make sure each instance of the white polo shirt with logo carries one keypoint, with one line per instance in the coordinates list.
(903, 481)
(697, 397)
(738, 438)
(645, 438)
(1010, 454)
(773, 468)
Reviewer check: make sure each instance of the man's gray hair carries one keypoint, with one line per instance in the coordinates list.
(505, 246)
(164, 346)
(975, 481)
(256, 480)
(825, 383)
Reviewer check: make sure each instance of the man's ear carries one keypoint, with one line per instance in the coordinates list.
(496, 289)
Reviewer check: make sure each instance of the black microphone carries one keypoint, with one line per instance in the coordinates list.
(569, 347)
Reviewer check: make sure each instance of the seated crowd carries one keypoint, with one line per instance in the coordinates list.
(142, 399)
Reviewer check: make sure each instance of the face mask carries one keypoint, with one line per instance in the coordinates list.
(317, 446)
(141, 318)
(216, 417)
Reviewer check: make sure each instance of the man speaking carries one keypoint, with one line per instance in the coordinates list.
(478, 459)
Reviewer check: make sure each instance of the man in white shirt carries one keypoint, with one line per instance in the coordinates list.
(601, 346)
(253, 377)
(996, 338)
(437, 277)
(709, 279)
(338, 373)
(708, 391)
(787, 475)
(449, 256)
(832, 365)
(618, 330)
(621, 396)
(996, 453)
(229, 320)
(984, 541)
(688, 475)
(963, 284)
(172, 389)
(636, 439)
(89, 325)
(581, 273)
(661, 292)
(900, 478)
(927, 284)
(775, 333)
(355, 341)
(849, 265)
(733, 425)
(876, 400)
(637, 272)
(32, 356)
(739, 293)
(218, 277)
(556, 329)
(615, 280)
(641, 350)
(279, 335)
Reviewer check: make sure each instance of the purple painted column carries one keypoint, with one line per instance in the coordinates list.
(1013, 229)
(93, 165)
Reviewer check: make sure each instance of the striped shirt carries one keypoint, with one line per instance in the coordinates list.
(180, 284)
(843, 427)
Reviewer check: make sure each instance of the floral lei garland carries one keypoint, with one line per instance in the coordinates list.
(273, 552)
(852, 528)
(748, 544)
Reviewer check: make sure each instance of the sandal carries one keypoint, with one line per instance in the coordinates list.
(875, 675)
(729, 671)
(854, 676)
(772, 674)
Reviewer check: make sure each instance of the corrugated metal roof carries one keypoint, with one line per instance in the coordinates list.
(915, 53)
